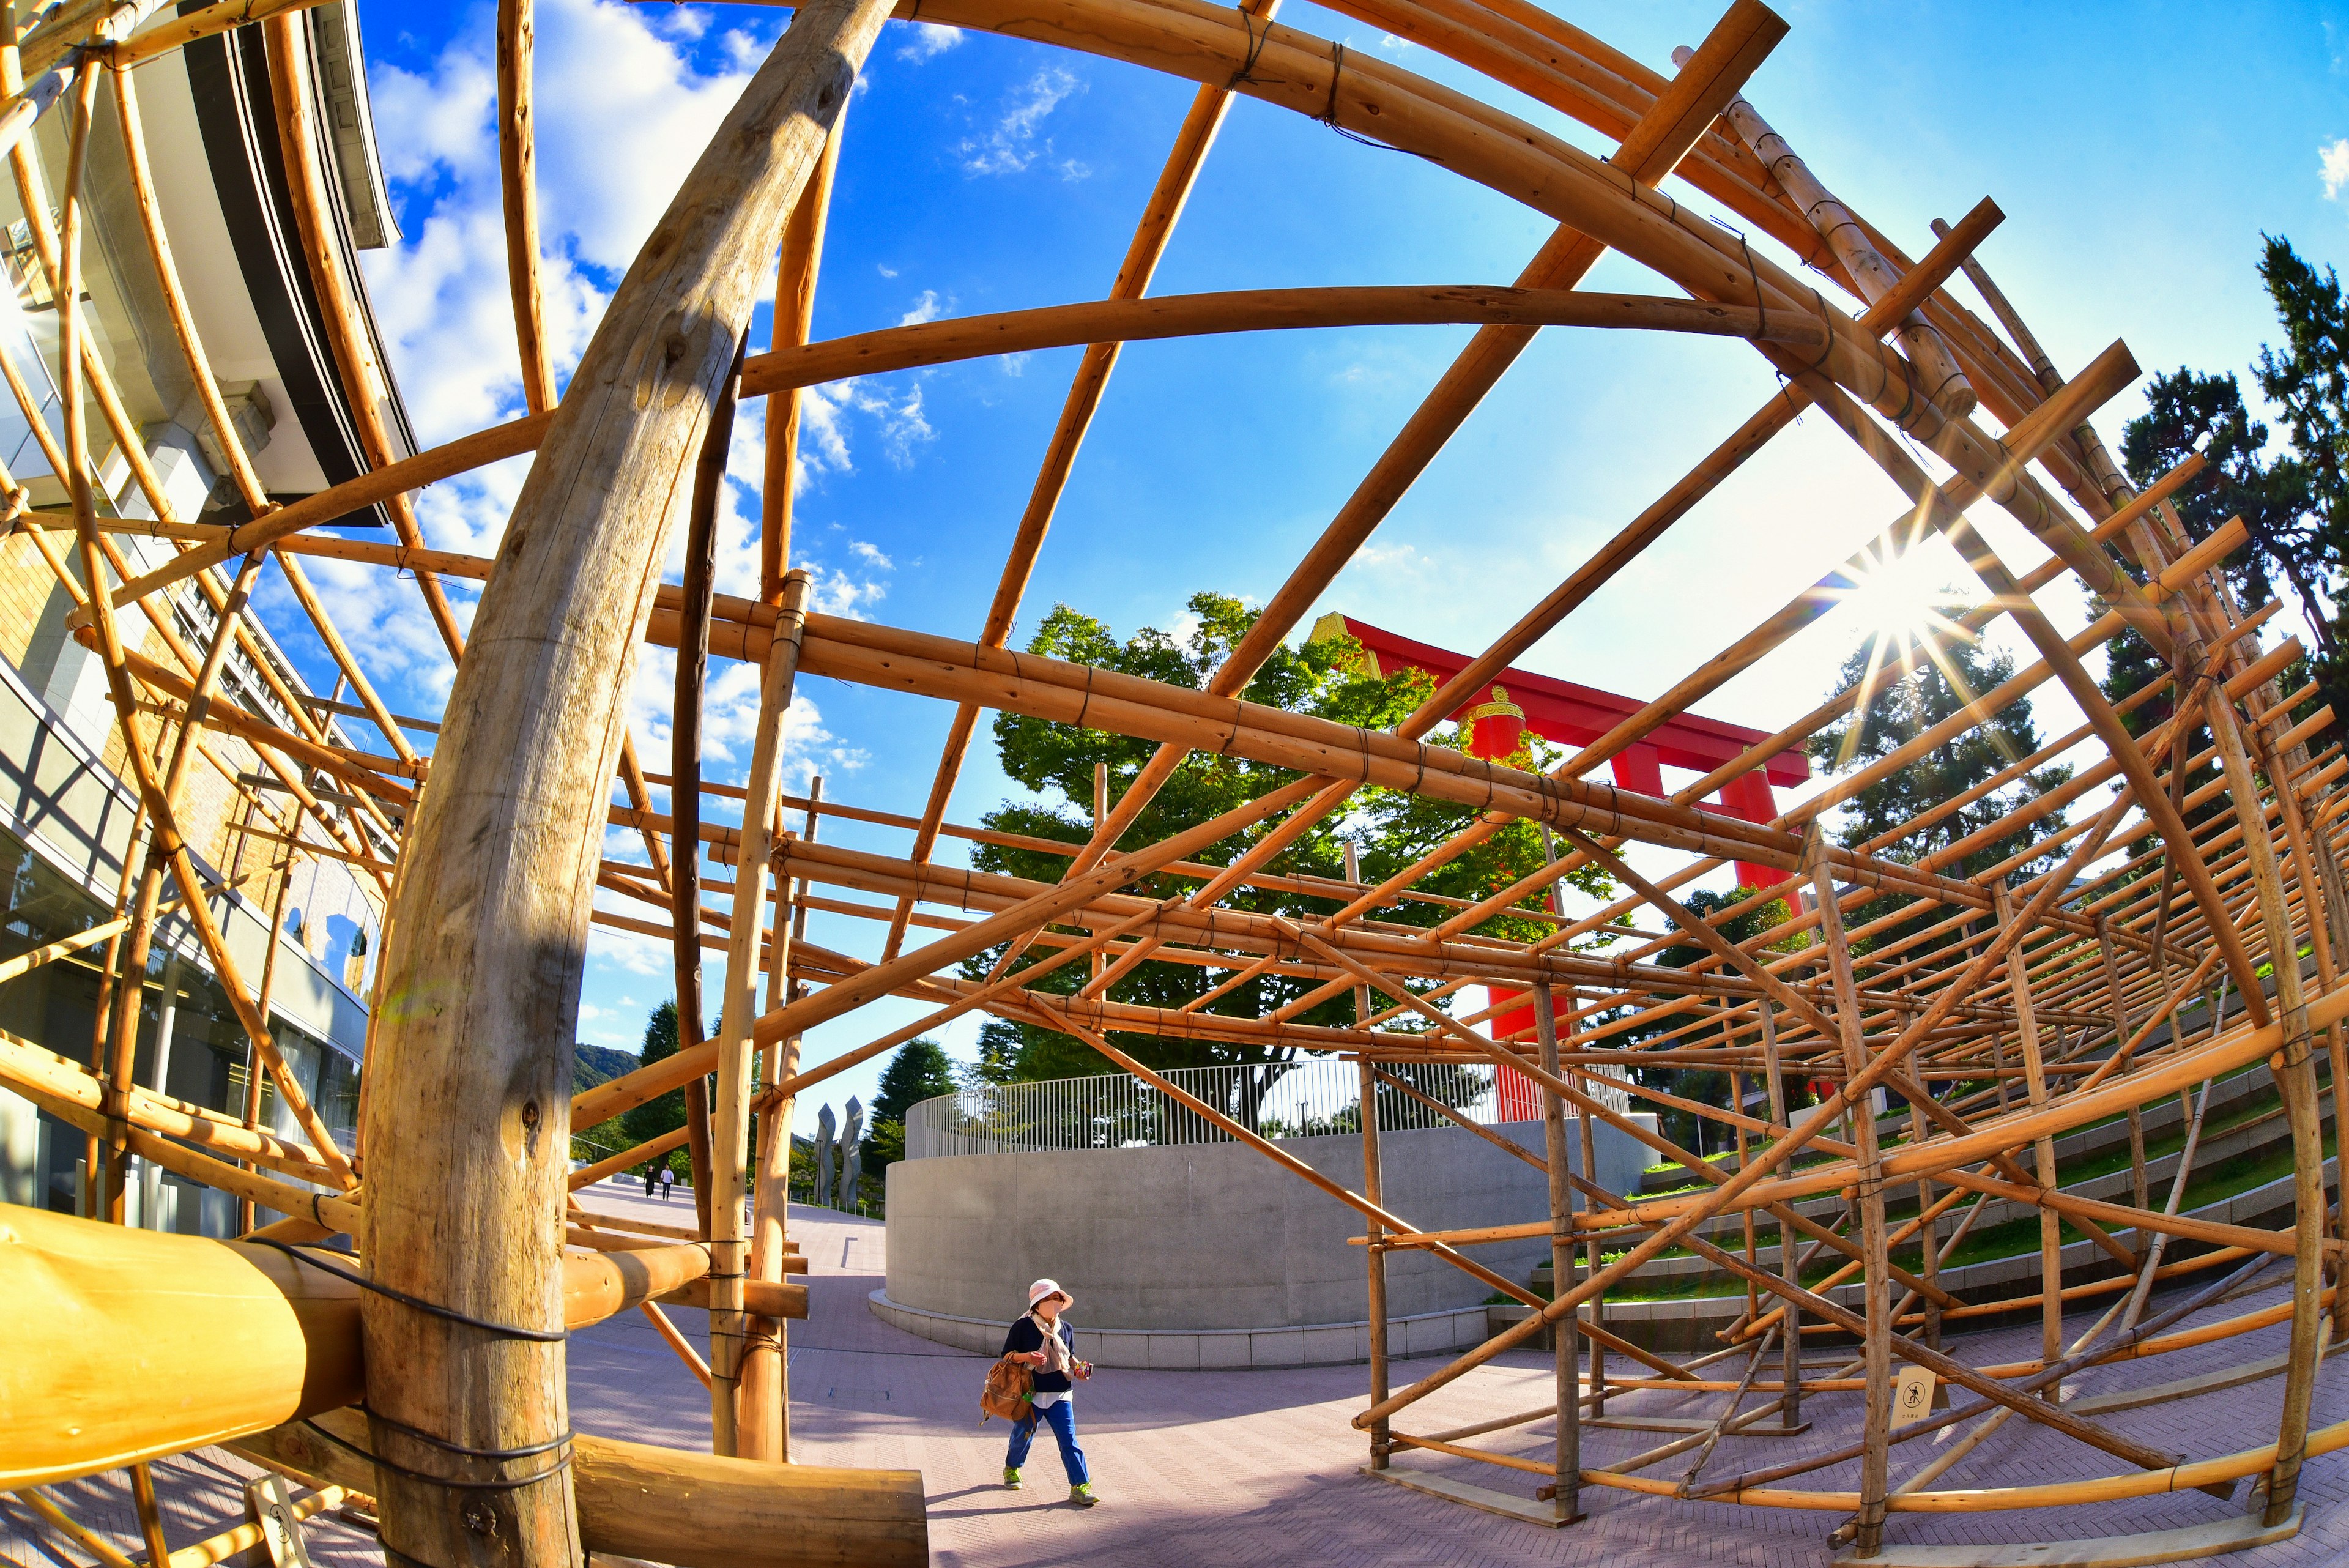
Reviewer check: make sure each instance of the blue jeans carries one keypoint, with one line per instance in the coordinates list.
(1062, 1419)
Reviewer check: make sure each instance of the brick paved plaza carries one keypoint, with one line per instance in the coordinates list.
(1214, 1468)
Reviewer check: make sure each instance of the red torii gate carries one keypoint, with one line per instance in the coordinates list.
(1569, 714)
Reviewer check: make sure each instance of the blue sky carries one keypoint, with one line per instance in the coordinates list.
(2138, 154)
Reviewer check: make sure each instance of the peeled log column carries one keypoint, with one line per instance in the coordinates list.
(468, 1123)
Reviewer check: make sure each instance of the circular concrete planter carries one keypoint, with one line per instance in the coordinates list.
(1211, 1249)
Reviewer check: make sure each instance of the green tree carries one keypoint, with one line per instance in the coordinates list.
(666, 1113)
(1920, 692)
(2294, 503)
(2189, 411)
(1328, 678)
(921, 1070)
(1708, 1088)
(2307, 382)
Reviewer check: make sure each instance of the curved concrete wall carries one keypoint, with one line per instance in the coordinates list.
(1212, 1236)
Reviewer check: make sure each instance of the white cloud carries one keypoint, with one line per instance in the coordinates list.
(824, 414)
(1397, 554)
(928, 307)
(1012, 143)
(629, 950)
(884, 269)
(2333, 167)
(871, 554)
(927, 41)
(440, 296)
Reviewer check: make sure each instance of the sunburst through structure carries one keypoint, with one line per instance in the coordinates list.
(1908, 1032)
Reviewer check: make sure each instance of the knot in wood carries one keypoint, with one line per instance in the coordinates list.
(677, 357)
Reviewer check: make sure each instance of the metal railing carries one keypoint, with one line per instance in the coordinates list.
(1320, 1097)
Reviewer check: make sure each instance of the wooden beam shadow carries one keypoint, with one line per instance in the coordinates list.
(2216, 1539)
(1524, 1510)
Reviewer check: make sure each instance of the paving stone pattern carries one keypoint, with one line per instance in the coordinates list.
(1218, 1468)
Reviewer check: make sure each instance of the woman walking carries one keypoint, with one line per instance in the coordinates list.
(1041, 1339)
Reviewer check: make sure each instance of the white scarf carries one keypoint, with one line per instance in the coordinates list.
(1056, 1350)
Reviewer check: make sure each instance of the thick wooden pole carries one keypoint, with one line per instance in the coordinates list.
(517, 171)
(1875, 1465)
(730, 1122)
(764, 1429)
(468, 1126)
(1587, 1126)
(795, 277)
(685, 768)
(2296, 1074)
(1372, 1185)
(1567, 1452)
(2034, 1079)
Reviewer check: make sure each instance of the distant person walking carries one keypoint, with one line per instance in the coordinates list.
(651, 1177)
(1041, 1339)
(669, 1179)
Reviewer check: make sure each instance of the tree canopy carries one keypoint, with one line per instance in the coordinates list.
(666, 1113)
(2294, 502)
(1920, 692)
(1328, 678)
(921, 1070)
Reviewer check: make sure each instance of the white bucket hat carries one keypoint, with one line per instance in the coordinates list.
(1042, 1288)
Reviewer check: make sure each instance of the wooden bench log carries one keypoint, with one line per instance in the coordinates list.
(692, 1511)
(152, 1344)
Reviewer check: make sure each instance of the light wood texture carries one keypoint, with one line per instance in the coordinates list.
(697, 1510)
(468, 1131)
(729, 1239)
(1254, 310)
(2187, 1544)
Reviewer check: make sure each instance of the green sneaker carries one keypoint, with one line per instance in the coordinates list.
(1081, 1495)
(1010, 1478)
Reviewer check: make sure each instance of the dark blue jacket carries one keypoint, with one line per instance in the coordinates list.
(1026, 1337)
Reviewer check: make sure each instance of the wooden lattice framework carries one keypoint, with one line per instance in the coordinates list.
(458, 1192)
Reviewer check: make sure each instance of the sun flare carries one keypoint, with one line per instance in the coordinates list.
(1900, 595)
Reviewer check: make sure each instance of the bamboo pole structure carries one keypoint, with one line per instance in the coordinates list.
(2017, 964)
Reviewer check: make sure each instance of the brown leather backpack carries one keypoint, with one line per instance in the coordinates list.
(1009, 1393)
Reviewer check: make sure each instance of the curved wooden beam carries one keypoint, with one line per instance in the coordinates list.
(1254, 310)
(468, 1122)
(1022, 331)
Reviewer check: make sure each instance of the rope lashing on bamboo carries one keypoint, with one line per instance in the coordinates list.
(1245, 75)
(1329, 116)
(502, 1330)
(512, 1483)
